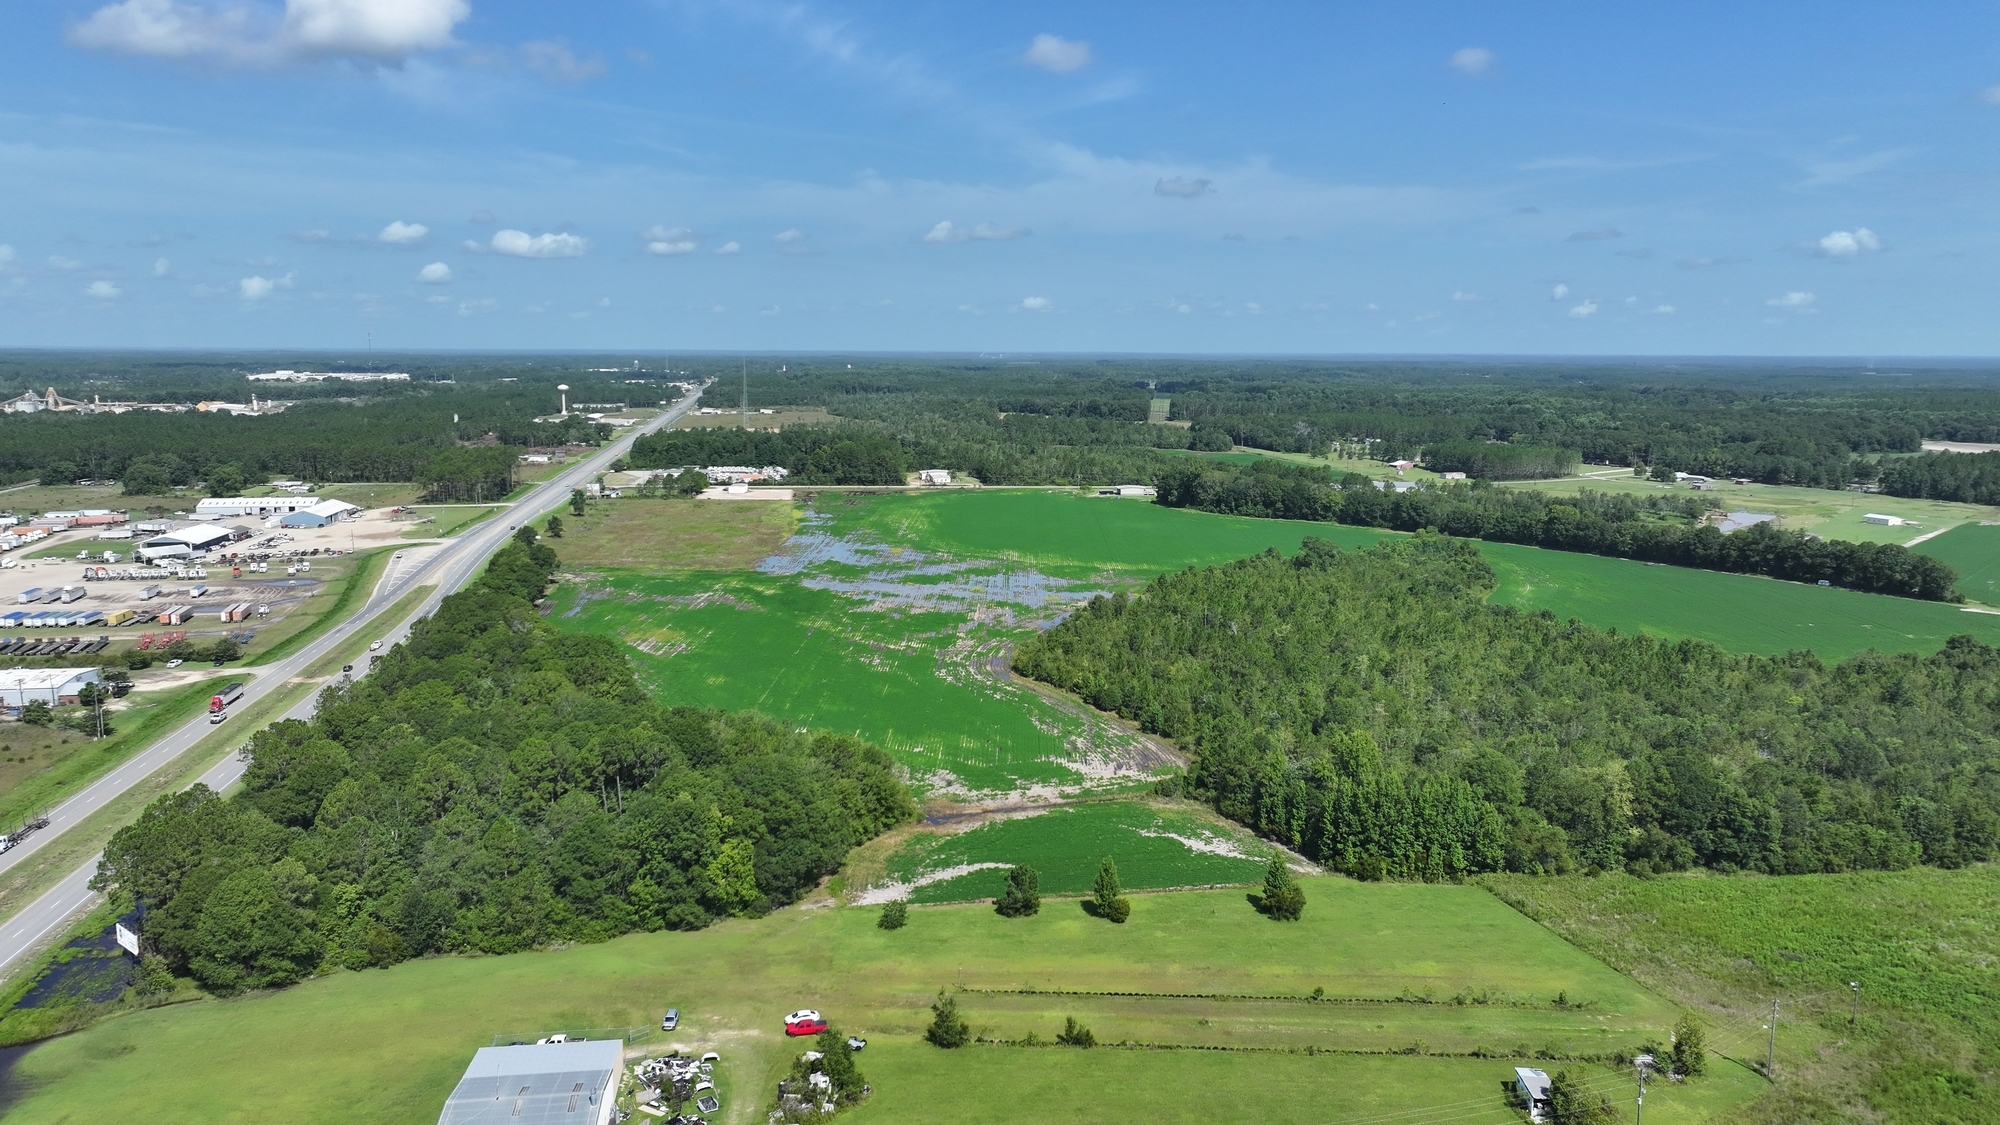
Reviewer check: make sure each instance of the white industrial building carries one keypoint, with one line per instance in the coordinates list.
(319, 514)
(286, 375)
(226, 506)
(54, 686)
(538, 1084)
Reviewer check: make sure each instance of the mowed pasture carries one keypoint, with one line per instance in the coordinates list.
(651, 534)
(1449, 966)
(1155, 843)
(1824, 512)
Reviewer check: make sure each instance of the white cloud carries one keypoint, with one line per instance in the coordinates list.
(381, 30)
(1794, 300)
(256, 288)
(437, 273)
(1559, 292)
(57, 261)
(1990, 95)
(6, 253)
(1037, 304)
(982, 232)
(400, 233)
(1472, 60)
(1661, 310)
(521, 244)
(1846, 244)
(1462, 295)
(669, 241)
(1056, 54)
(102, 290)
(787, 237)
(473, 246)
(161, 266)
(1180, 188)
(1587, 309)
(730, 247)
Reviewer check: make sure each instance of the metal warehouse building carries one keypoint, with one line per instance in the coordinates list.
(54, 686)
(542, 1084)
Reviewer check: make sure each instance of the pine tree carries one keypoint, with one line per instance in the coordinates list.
(1023, 896)
(1690, 1054)
(895, 915)
(837, 1063)
(948, 1028)
(1283, 898)
(1106, 901)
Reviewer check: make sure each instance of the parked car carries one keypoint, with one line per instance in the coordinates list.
(803, 1015)
(806, 1021)
(671, 1020)
(173, 663)
(855, 1043)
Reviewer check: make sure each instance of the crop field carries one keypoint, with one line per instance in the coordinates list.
(1974, 551)
(892, 616)
(1163, 844)
(1740, 612)
(1413, 981)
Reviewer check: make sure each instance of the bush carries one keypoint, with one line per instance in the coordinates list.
(1105, 899)
(223, 649)
(1571, 1103)
(1023, 896)
(554, 527)
(182, 649)
(1075, 1034)
(895, 915)
(1690, 1053)
(138, 661)
(948, 1029)
(1283, 899)
(36, 712)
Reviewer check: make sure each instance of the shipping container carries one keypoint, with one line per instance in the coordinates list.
(118, 617)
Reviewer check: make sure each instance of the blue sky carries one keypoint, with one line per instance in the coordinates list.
(1792, 179)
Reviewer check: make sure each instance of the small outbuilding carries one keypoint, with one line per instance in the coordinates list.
(1883, 521)
(569, 1083)
(935, 477)
(1535, 1091)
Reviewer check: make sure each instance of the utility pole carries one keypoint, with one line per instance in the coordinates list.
(1855, 1018)
(1639, 1107)
(1771, 1055)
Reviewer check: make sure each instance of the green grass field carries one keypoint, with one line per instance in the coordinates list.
(386, 1046)
(1164, 844)
(1824, 512)
(1921, 943)
(1973, 550)
(40, 768)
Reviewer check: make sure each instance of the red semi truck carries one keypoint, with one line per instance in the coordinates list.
(218, 704)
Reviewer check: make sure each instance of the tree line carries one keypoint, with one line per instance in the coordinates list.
(1371, 711)
(493, 785)
(1659, 530)
(1969, 478)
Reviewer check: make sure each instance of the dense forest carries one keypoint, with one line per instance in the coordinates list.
(1664, 529)
(1369, 709)
(1971, 478)
(494, 784)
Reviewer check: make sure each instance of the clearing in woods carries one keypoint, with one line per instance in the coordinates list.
(1429, 996)
(892, 616)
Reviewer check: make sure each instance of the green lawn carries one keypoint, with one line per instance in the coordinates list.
(1164, 844)
(57, 763)
(387, 1045)
(1973, 550)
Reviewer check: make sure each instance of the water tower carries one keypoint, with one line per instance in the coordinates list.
(564, 388)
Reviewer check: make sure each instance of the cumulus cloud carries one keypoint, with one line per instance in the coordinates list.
(1037, 304)
(1057, 55)
(982, 232)
(730, 247)
(161, 266)
(102, 290)
(1795, 300)
(521, 244)
(1587, 309)
(788, 237)
(378, 30)
(1559, 292)
(1472, 60)
(1180, 188)
(1599, 235)
(400, 233)
(257, 287)
(437, 273)
(1846, 244)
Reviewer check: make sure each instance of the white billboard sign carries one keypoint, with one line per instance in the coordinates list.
(128, 940)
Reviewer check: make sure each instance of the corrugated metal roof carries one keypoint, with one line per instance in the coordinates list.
(540, 1084)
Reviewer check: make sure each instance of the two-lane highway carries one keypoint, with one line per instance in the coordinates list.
(450, 566)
